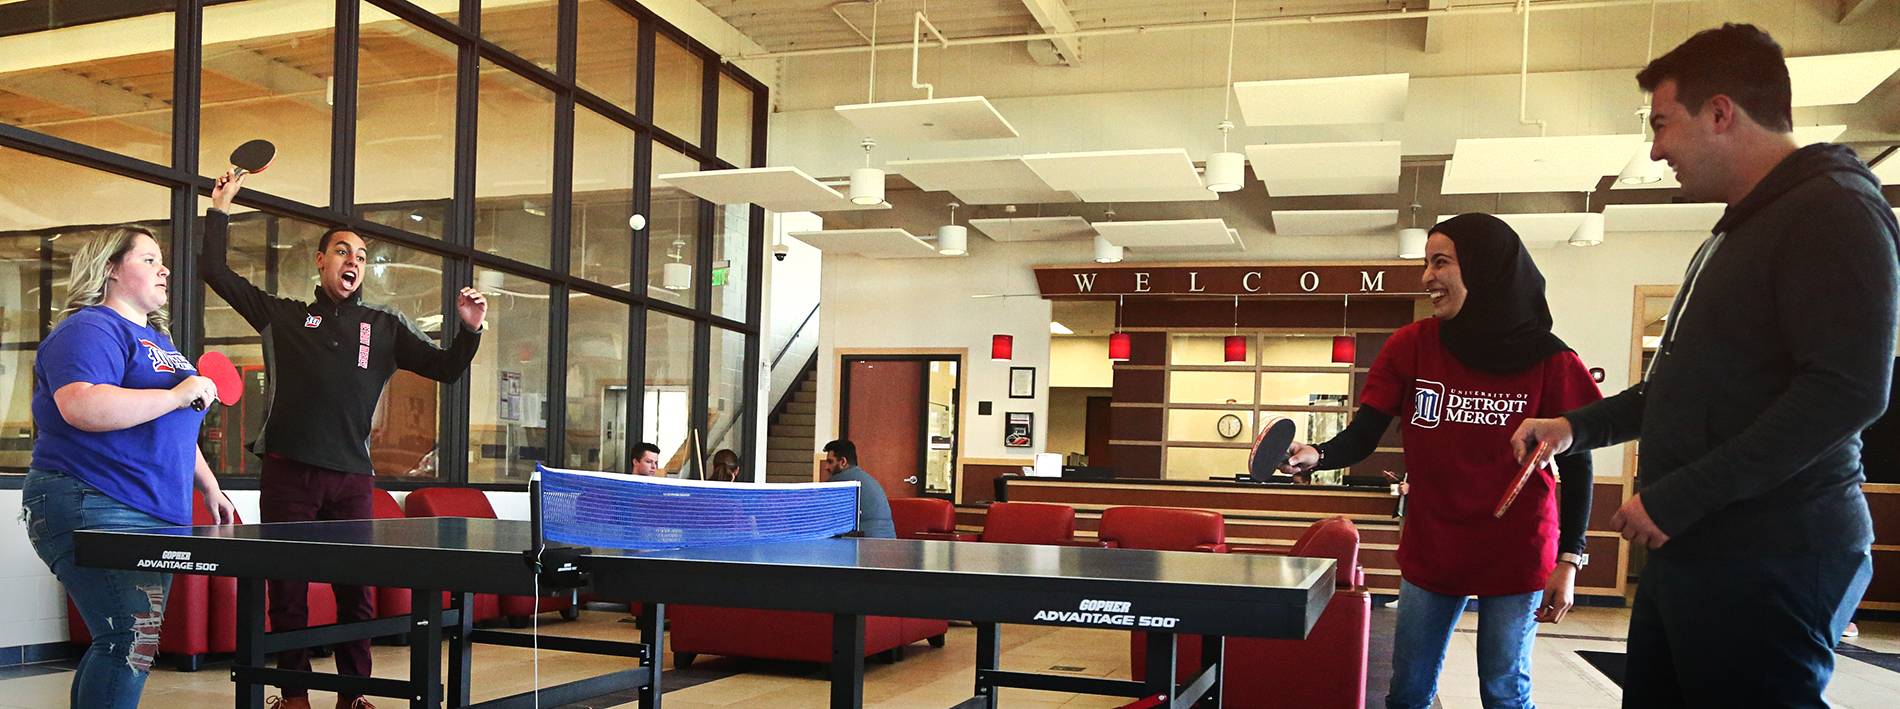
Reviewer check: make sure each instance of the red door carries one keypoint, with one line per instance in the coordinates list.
(883, 416)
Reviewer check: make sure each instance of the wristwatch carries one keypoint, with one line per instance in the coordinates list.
(1577, 560)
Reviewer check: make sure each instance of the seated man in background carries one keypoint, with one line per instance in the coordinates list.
(874, 509)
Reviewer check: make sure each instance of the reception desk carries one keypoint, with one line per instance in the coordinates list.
(1276, 514)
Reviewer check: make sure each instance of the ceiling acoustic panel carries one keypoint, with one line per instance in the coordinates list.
(960, 118)
(1554, 164)
(1540, 230)
(1334, 222)
(1835, 79)
(871, 243)
(988, 180)
(1803, 135)
(1164, 175)
(1308, 169)
(779, 189)
(1015, 229)
(1172, 234)
(1333, 100)
(1692, 217)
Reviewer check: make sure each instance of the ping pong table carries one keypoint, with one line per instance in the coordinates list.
(1162, 593)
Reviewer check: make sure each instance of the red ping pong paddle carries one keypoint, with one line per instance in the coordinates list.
(1523, 476)
(253, 156)
(218, 368)
(1269, 449)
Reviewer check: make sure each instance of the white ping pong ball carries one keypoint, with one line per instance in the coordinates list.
(637, 222)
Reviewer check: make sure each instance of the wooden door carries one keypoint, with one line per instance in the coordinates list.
(1095, 424)
(884, 410)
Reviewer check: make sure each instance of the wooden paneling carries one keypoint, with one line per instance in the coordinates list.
(1257, 313)
(1885, 507)
(978, 481)
(1140, 386)
(1601, 572)
(1263, 500)
(1605, 498)
(1136, 461)
(1130, 424)
(1885, 587)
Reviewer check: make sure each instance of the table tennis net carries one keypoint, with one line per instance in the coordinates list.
(607, 510)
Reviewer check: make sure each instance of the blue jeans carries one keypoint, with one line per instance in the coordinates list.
(1506, 627)
(122, 609)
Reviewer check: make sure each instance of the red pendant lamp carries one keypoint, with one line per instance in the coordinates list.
(1236, 345)
(1345, 346)
(1002, 348)
(1120, 347)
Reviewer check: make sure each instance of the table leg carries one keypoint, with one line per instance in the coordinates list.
(652, 624)
(461, 657)
(1161, 670)
(1214, 654)
(425, 648)
(250, 641)
(988, 658)
(847, 661)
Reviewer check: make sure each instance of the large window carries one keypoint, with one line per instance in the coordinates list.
(439, 137)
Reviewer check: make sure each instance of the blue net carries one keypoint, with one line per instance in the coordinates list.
(613, 511)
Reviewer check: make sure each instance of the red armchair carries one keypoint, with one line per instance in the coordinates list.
(1328, 668)
(201, 611)
(1032, 523)
(1163, 529)
(470, 502)
(927, 518)
(783, 635)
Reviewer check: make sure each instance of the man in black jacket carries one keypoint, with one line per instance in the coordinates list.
(328, 361)
(1778, 352)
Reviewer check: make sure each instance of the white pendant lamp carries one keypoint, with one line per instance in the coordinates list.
(1412, 243)
(867, 183)
(1590, 231)
(1641, 170)
(677, 275)
(953, 239)
(1227, 170)
(1106, 252)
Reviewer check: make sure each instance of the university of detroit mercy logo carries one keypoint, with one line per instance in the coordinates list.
(164, 360)
(312, 320)
(1428, 404)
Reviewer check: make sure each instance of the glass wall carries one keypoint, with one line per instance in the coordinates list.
(451, 133)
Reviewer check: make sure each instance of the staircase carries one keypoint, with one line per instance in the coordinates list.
(792, 437)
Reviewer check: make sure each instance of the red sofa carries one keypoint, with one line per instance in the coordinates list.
(927, 518)
(783, 635)
(1327, 669)
(1163, 529)
(1032, 523)
(470, 502)
(201, 611)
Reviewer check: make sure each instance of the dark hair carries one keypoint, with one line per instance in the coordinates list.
(323, 244)
(725, 464)
(843, 449)
(643, 448)
(1735, 60)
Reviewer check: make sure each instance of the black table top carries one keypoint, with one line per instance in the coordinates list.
(884, 576)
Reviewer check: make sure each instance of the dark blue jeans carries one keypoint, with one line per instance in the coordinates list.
(1740, 632)
(122, 609)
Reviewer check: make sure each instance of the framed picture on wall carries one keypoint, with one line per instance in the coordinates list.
(1019, 429)
(1022, 382)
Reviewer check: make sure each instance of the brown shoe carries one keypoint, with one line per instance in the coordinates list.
(357, 703)
(287, 702)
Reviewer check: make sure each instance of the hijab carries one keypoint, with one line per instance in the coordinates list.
(1504, 325)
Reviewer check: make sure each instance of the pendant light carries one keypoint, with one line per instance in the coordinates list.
(1002, 348)
(676, 274)
(1236, 345)
(1590, 231)
(1640, 170)
(1412, 239)
(1227, 170)
(1106, 251)
(867, 183)
(1119, 345)
(953, 239)
(1345, 346)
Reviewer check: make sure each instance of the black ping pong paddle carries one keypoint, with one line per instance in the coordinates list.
(1270, 448)
(253, 156)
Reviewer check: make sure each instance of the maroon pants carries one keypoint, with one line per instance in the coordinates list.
(295, 492)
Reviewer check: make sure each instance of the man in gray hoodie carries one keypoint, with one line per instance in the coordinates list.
(1778, 352)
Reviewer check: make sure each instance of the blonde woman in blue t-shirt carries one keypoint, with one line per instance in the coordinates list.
(115, 447)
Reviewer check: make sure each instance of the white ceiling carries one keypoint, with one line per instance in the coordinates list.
(1803, 135)
(1211, 234)
(1553, 164)
(1540, 230)
(1834, 79)
(1161, 175)
(1303, 169)
(779, 189)
(988, 180)
(1662, 217)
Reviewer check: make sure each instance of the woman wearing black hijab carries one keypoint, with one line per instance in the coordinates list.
(1461, 381)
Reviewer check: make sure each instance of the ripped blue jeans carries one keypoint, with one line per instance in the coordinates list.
(122, 609)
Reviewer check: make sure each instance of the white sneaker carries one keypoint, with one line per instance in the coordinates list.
(1852, 631)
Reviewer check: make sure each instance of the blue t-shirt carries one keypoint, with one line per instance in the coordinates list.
(147, 467)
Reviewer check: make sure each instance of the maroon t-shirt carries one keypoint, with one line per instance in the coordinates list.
(1457, 424)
